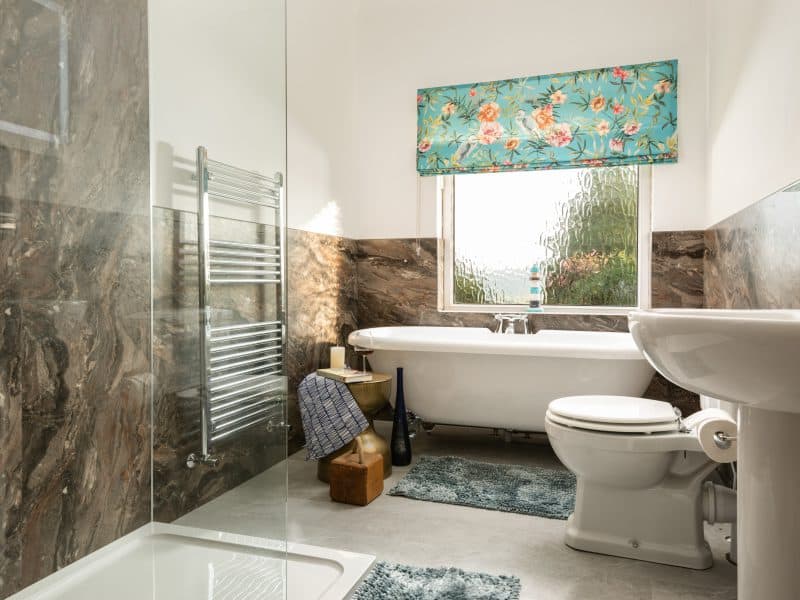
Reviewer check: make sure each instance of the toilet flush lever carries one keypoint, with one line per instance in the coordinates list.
(723, 440)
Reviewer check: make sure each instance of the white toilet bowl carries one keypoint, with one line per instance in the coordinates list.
(639, 478)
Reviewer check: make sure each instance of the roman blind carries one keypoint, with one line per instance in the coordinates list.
(617, 115)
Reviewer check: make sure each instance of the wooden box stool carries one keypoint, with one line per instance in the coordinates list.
(357, 477)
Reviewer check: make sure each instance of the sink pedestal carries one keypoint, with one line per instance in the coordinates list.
(769, 505)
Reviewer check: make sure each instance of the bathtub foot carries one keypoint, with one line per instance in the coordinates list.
(507, 435)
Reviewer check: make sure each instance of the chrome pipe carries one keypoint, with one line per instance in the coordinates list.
(254, 369)
(249, 415)
(221, 436)
(224, 405)
(250, 344)
(243, 381)
(244, 334)
(220, 166)
(253, 187)
(245, 263)
(230, 244)
(241, 187)
(245, 326)
(245, 281)
(232, 355)
(242, 363)
(204, 248)
(234, 393)
(242, 254)
(243, 272)
(259, 405)
(233, 198)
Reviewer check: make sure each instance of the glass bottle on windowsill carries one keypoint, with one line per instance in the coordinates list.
(401, 443)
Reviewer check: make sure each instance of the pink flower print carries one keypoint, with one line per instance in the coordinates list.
(621, 74)
(472, 92)
(490, 132)
(543, 116)
(632, 127)
(419, 98)
(448, 109)
(617, 108)
(597, 103)
(558, 97)
(662, 87)
(602, 128)
(424, 145)
(560, 135)
(616, 145)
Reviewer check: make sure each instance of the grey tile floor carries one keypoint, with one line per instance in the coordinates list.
(429, 534)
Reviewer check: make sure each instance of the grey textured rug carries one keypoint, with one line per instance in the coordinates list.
(390, 581)
(511, 488)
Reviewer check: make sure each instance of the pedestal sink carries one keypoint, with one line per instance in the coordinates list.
(751, 358)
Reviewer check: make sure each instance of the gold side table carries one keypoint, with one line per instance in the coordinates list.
(371, 397)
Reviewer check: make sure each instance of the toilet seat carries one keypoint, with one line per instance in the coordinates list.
(614, 414)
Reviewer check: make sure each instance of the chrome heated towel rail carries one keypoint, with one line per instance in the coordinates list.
(243, 364)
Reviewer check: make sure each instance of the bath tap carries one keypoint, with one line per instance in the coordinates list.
(506, 322)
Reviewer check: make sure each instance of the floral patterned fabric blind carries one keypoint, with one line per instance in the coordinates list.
(601, 117)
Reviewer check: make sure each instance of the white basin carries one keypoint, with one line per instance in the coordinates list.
(743, 356)
(750, 358)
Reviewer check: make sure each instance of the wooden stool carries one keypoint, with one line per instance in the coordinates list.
(371, 397)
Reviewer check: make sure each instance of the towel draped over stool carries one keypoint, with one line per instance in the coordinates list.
(331, 417)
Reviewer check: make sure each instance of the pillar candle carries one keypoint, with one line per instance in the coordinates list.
(337, 357)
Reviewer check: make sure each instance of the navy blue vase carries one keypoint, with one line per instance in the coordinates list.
(401, 443)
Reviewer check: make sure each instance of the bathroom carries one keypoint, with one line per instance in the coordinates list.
(117, 477)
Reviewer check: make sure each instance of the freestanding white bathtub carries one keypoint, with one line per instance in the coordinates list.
(472, 376)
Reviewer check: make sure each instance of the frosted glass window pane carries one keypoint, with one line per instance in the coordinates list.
(580, 225)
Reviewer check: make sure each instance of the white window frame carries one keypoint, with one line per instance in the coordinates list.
(446, 198)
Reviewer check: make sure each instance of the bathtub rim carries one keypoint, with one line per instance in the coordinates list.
(549, 343)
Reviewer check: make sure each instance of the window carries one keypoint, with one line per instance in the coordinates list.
(588, 229)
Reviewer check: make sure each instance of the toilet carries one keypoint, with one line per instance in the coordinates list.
(640, 473)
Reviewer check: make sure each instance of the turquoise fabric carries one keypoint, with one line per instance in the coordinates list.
(600, 117)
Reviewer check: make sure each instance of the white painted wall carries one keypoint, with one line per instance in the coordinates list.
(405, 44)
(217, 77)
(321, 112)
(754, 113)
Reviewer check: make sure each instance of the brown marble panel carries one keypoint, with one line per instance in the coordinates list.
(74, 286)
(753, 259)
(397, 285)
(677, 269)
(322, 308)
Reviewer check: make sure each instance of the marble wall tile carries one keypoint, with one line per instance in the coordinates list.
(322, 308)
(74, 286)
(677, 269)
(753, 259)
(397, 285)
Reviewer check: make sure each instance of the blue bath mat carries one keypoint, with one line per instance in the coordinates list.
(390, 581)
(535, 491)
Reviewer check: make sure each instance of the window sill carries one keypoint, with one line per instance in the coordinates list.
(547, 310)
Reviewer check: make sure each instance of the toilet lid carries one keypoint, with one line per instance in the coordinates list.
(614, 413)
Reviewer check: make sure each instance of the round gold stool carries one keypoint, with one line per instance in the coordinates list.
(371, 397)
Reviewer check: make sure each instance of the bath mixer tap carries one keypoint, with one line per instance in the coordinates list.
(506, 322)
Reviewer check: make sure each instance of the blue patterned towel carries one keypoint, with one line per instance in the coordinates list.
(331, 417)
